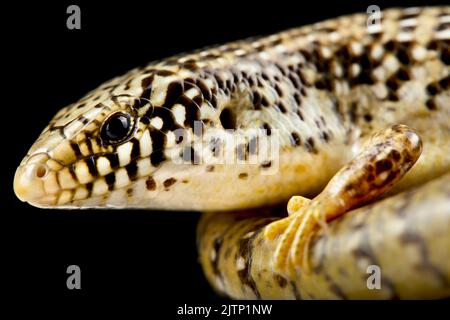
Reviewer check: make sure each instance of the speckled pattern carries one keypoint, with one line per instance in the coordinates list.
(406, 235)
(319, 91)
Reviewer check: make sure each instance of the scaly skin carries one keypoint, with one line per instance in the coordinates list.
(320, 92)
(407, 236)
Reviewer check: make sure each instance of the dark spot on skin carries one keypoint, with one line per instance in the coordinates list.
(214, 101)
(158, 143)
(280, 280)
(110, 179)
(89, 187)
(324, 84)
(88, 143)
(151, 184)
(445, 83)
(433, 45)
(265, 102)
(243, 176)
(135, 150)
(210, 168)
(445, 56)
(392, 83)
(390, 45)
(147, 82)
(145, 120)
(60, 130)
(431, 105)
(265, 76)
(90, 162)
(369, 167)
(83, 120)
(132, 170)
(310, 145)
(266, 164)
(368, 117)
(364, 77)
(295, 139)
(395, 155)
(278, 90)
(281, 107)
(325, 137)
(382, 165)
(402, 74)
(169, 182)
(256, 100)
(392, 96)
(350, 187)
(174, 91)
(113, 159)
(164, 73)
(75, 148)
(228, 119)
(443, 26)
(298, 98)
(432, 89)
(190, 65)
(403, 56)
(198, 100)
(179, 136)
(266, 127)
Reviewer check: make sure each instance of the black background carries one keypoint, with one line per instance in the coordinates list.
(122, 254)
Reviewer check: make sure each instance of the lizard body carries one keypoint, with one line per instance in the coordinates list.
(297, 106)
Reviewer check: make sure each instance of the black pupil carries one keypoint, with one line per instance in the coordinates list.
(117, 127)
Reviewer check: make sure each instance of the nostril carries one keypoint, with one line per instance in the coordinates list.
(41, 171)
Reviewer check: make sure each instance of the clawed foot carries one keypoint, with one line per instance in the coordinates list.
(295, 230)
(278, 227)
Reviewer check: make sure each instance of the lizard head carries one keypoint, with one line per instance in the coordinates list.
(133, 142)
(75, 158)
(104, 150)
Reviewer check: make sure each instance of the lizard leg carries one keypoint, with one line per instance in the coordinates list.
(382, 161)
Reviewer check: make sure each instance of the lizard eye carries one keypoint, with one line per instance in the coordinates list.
(116, 128)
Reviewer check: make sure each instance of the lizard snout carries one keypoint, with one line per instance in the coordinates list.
(30, 177)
